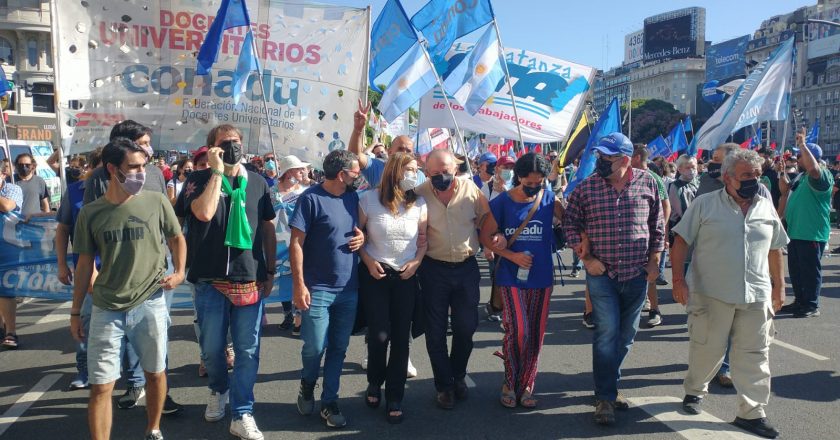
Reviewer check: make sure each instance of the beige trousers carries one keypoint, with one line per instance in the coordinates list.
(711, 324)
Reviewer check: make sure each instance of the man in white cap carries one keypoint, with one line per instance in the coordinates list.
(290, 174)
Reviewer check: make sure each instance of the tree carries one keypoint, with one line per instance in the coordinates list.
(652, 117)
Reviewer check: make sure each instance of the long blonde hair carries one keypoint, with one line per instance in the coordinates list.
(391, 195)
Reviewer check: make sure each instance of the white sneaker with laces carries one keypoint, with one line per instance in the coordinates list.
(246, 428)
(412, 371)
(216, 405)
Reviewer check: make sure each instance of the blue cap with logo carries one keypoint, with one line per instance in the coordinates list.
(614, 144)
(487, 157)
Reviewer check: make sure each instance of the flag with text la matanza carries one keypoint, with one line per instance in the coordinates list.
(814, 136)
(231, 14)
(763, 96)
(609, 122)
(677, 141)
(414, 79)
(444, 21)
(476, 78)
(390, 38)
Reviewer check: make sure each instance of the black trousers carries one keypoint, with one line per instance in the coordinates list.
(450, 287)
(389, 308)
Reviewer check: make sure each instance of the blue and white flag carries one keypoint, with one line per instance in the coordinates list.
(4, 83)
(474, 146)
(413, 80)
(231, 14)
(658, 147)
(247, 64)
(687, 124)
(609, 122)
(755, 142)
(477, 76)
(814, 136)
(390, 38)
(763, 96)
(676, 139)
(444, 21)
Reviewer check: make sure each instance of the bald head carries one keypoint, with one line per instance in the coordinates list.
(401, 144)
(440, 162)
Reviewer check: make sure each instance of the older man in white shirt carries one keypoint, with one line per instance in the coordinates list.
(735, 286)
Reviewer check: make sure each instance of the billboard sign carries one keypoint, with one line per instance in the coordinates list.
(726, 60)
(824, 47)
(634, 47)
(669, 39)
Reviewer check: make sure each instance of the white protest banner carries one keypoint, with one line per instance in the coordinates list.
(136, 60)
(549, 95)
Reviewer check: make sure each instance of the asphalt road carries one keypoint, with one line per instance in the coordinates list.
(804, 362)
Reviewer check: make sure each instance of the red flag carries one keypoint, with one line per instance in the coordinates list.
(746, 144)
(538, 150)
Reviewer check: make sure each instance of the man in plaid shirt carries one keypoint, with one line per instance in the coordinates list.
(614, 222)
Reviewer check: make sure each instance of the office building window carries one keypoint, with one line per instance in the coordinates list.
(32, 53)
(7, 53)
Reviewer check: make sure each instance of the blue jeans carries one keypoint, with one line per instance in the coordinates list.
(805, 267)
(326, 328)
(131, 361)
(616, 306)
(724, 367)
(81, 347)
(216, 315)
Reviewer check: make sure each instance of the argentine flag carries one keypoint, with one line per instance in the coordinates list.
(477, 76)
(413, 80)
(246, 64)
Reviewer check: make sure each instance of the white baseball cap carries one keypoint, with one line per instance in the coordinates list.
(289, 162)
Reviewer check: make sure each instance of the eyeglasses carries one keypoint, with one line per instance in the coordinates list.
(354, 174)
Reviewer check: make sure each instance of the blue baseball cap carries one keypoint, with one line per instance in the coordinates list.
(487, 157)
(815, 150)
(614, 144)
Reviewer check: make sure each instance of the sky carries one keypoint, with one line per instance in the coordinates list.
(591, 32)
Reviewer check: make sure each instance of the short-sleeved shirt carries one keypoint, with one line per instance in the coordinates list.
(71, 205)
(809, 207)
(12, 192)
(730, 249)
(328, 222)
(375, 168)
(536, 238)
(391, 239)
(34, 190)
(129, 239)
(660, 185)
(452, 229)
(99, 180)
(207, 256)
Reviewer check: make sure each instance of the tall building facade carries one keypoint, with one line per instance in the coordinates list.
(26, 58)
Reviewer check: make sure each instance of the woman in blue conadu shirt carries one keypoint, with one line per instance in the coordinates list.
(526, 301)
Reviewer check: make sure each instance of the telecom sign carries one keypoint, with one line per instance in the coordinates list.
(726, 60)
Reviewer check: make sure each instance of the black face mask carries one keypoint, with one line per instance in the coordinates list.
(531, 191)
(603, 168)
(714, 170)
(232, 152)
(354, 185)
(24, 169)
(748, 189)
(442, 182)
(187, 173)
(491, 169)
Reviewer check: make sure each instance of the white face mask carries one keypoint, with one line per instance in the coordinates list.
(409, 181)
(688, 175)
(506, 175)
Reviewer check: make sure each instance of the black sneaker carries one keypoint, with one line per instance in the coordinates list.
(806, 313)
(170, 406)
(575, 273)
(661, 281)
(306, 398)
(288, 321)
(332, 415)
(131, 397)
(836, 250)
(793, 307)
(154, 435)
(296, 331)
(654, 318)
(691, 404)
(760, 427)
(587, 320)
(492, 314)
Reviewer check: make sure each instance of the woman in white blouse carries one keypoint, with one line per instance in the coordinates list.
(395, 221)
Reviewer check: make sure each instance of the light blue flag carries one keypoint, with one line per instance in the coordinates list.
(658, 147)
(390, 38)
(231, 14)
(812, 138)
(763, 96)
(474, 146)
(414, 79)
(247, 64)
(687, 123)
(609, 122)
(444, 21)
(475, 79)
(676, 139)
(755, 142)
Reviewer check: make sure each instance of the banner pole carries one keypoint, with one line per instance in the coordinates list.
(6, 140)
(54, 39)
(367, 63)
(264, 100)
(507, 80)
(448, 105)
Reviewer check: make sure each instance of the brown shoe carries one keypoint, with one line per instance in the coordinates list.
(461, 390)
(445, 399)
(604, 412)
(725, 380)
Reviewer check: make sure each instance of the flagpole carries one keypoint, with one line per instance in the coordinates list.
(6, 139)
(507, 80)
(448, 104)
(262, 92)
(630, 113)
(367, 63)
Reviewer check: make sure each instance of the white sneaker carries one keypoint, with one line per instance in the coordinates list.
(411, 371)
(216, 406)
(246, 428)
(364, 363)
(646, 305)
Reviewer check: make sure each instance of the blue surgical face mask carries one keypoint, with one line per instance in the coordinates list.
(506, 175)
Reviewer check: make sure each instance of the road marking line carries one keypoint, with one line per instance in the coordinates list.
(59, 314)
(703, 426)
(791, 347)
(469, 381)
(26, 400)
